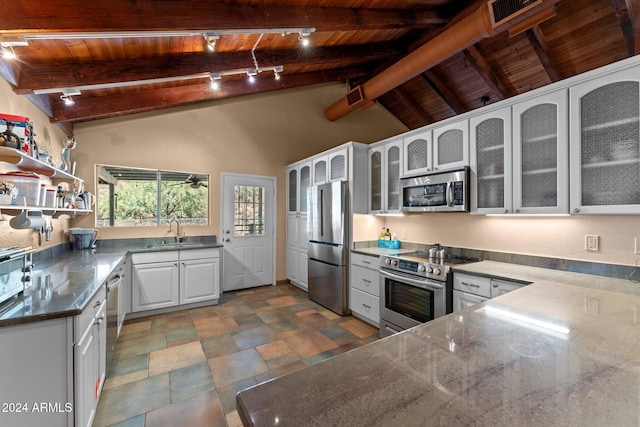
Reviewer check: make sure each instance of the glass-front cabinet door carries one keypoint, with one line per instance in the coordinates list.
(540, 155)
(292, 190)
(375, 179)
(320, 170)
(393, 168)
(338, 165)
(605, 144)
(451, 146)
(305, 183)
(491, 162)
(417, 154)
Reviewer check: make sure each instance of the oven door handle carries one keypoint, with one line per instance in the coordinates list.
(424, 284)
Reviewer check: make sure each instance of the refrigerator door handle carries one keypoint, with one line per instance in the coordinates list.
(321, 218)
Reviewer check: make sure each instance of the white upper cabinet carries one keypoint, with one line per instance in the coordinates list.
(540, 155)
(292, 190)
(491, 162)
(385, 167)
(338, 165)
(298, 180)
(605, 144)
(376, 156)
(416, 154)
(320, 175)
(451, 146)
(392, 170)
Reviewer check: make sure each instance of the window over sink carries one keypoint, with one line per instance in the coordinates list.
(131, 197)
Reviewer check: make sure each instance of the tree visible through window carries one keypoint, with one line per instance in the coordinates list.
(143, 197)
(249, 211)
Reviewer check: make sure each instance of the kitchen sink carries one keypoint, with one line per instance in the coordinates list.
(178, 245)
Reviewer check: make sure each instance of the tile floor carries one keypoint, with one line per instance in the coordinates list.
(185, 368)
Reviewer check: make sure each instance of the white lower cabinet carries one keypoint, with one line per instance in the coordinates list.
(364, 294)
(90, 358)
(168, 279)
(196, 275)
(469, 289)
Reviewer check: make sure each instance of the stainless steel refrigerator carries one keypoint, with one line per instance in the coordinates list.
(327, 229)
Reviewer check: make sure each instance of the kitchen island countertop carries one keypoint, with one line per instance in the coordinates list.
(561, 351)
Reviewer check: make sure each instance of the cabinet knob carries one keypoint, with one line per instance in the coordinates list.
(576, 210)
(517, 210)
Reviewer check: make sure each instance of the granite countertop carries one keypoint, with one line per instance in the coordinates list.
(64, 284)
(561, 351)
(375, 251)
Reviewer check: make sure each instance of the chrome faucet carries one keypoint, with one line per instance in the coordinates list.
(178, 237)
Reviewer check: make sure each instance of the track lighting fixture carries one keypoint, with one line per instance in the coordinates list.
(211, 39)
(215, 81)
(67, 96)
(68, 100)
(8, 52)
(304, 37)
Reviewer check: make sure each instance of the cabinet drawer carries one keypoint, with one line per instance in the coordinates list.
(199, 254)
(365, 261)
(473, 284)
(366, 305)
(500, 287)
(365, 279)
(147, 257)
(87, 316)
(463, 300)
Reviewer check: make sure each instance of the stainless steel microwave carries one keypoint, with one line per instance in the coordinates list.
(446, 191)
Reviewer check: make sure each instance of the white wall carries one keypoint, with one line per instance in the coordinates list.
(557, 237)
(258, 134)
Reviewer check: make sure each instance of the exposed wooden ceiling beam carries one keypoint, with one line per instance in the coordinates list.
(91, 108)
(443, 92)
(412, 106)
(79, 74)
(624, 13)
(485, 71)
(28, 16)
(539, 45)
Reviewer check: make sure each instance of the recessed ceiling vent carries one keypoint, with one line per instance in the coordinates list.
(504, 10)
(355, 96)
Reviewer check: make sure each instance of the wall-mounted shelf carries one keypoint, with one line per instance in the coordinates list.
(54, 212)
(27, 163)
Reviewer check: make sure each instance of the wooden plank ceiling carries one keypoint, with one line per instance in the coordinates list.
(352, 41)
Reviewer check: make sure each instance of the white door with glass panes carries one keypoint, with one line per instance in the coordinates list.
(540, 155)
(417, 154)
(605, 144)
(247, 231)
(451, 146)
(491, 162)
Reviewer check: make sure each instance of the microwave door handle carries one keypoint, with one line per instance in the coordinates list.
(450, 194)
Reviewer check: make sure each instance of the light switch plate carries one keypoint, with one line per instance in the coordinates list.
(591, 242)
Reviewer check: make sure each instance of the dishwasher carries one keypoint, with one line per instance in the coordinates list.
(114, 312)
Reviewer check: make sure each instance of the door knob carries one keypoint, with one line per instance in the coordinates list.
(227, 231)
(227, 240)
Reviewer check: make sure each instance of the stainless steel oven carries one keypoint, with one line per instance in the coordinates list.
(415, 288)
(437, 192)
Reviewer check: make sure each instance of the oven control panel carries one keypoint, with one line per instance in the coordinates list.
(418, 268)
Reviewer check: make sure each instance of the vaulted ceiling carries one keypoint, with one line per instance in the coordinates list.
(119, 57)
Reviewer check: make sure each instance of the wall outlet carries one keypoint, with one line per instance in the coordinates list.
(636, 247)
(591, 242)
(403, 235)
